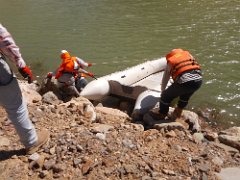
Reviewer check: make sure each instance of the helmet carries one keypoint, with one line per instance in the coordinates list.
(64, 54)
(173, 52)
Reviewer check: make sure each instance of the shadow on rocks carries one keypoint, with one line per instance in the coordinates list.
(4, 155)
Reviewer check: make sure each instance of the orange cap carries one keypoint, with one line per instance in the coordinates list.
(173, 52)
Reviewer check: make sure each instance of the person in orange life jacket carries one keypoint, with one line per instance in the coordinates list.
(187, 77)
(11, 97)
(67, 74)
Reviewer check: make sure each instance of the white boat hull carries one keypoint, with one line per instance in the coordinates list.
(141, 83)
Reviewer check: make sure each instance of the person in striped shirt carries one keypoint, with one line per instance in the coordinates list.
(186, 74)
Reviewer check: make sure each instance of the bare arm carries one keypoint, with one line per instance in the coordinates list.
(166, 77)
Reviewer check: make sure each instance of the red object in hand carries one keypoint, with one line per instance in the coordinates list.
(90, 74)
(49, 75)
(89, 64)
(26, 73)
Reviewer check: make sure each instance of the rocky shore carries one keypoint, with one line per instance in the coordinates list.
(96, 142)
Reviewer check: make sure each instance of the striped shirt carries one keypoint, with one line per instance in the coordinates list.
(194, 75)
(9, 48)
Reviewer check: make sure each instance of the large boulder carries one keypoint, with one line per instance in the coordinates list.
(230, 137)
(29, 92)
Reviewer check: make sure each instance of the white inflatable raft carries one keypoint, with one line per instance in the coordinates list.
(141, 83)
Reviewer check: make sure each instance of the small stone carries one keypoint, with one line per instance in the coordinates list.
(76, 161)
(169, 172)
(87, 166)
(198, 137)
(49, 164)
(79, 148)
(43, 174)
(57, 168)
(23, 158)
(218, 161)
(101, 136)
(34, 157)
(171, 134)
(52, 150)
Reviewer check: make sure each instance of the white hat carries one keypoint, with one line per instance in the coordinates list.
(63, 51)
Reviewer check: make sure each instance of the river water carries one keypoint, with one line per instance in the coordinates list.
(116, 34)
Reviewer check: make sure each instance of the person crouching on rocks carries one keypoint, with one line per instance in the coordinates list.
(11, 97)
(69, 74)
(187, 77)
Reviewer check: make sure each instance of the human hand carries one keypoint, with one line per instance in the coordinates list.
(90, 74)
(49, 75)
(89, 64)
(26, 73)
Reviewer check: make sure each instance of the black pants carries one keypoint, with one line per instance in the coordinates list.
(184, 91)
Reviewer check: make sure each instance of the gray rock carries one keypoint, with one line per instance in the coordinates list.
(169, 126)
(49, 164)
(218, 161)
(211, 136)
(225, 147)
(128, 143)
(34, 157)
(231, 173)
(101, 136)
(101, 128)
(233, 141)
(50, 98)
(198, 137)
(233, 131)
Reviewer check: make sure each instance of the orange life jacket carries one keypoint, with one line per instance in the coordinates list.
(181, 61)
(68, 65)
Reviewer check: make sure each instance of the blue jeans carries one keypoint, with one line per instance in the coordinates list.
(11, 99)
(184, 91)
